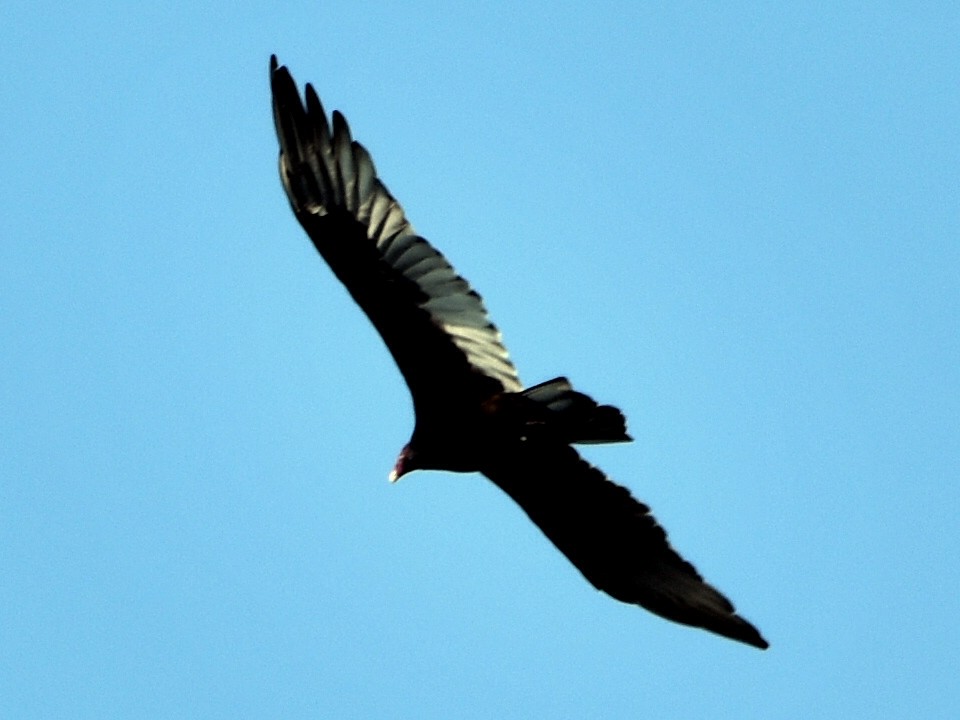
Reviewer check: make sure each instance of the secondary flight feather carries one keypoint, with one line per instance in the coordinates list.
(472, 412)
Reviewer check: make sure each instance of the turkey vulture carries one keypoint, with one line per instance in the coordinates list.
(472, 412)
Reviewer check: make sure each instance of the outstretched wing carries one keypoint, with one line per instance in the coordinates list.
(611, 537)
(435, 326)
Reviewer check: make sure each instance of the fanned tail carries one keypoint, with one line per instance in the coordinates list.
(576, 417)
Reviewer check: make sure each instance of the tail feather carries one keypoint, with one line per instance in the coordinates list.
(577, 417)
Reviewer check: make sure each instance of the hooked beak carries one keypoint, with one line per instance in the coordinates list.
(403, 466)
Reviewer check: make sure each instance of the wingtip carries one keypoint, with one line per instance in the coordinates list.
(340, 123)
(739, 629)
(280, 79)
(729, 625)
(752, 636)
(314, 106)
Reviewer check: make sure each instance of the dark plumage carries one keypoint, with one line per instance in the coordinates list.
(472, 412)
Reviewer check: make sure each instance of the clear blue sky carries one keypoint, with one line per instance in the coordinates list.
(740, 225)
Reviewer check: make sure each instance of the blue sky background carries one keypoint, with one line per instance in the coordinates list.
(739, 223)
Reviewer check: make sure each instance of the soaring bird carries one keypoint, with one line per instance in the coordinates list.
(472, 412)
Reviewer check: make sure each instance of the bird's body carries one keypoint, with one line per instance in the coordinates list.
(472, 412)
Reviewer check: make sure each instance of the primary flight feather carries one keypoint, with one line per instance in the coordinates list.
(472, 412)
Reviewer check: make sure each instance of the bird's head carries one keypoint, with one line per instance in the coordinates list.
(406, 462)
